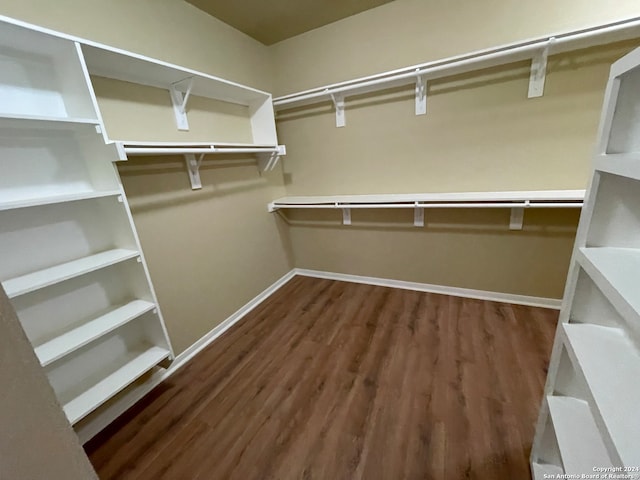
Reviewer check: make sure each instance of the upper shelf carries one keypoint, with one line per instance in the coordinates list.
(544, 198)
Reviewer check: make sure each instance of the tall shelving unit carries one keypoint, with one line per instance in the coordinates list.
(589, 418)
(70, 257)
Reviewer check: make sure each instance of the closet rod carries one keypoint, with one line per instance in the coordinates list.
(471, 61)
(183, 151)
(276, 206)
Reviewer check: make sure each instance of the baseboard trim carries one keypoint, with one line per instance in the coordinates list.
(100, 421)
(552, 303)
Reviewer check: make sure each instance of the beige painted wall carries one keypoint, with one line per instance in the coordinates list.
(37, 441)
(481, 133)
(210, 251)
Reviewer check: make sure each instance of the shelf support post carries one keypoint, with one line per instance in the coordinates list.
(346, 216)
(179, 102)
(338, 103)
(421, 95)
(418, 215)
(538, 73)
(193, 167)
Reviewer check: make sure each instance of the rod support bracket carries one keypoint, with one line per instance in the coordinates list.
(338, 103)
(418, 215)
(179, 101)
(517, 216)
(538, 73)
(346, 216)
(421, 95)
(193, 167)
(268, 161)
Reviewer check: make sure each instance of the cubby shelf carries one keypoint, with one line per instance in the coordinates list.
(52, 119)
(622, 164)
(616, 272)
(610, 364)
(82, 335)
(54, 199)
(49, 276)
(136, 364)
(581, 446)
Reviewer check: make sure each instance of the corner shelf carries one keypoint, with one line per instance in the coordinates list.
(581, 446)
(31, 282)
(82, 335)
(135, 365)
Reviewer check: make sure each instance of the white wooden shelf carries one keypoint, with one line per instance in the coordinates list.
(610, 364)
(623, 164)
(59, 273)
(517, 201)
(56, 199)
(138, 363)
(545, 471)
(70, 341)
(616, 272)
(52, 119)
(579, 440)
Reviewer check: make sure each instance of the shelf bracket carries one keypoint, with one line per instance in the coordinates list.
(517, 217)
(538, 73)
(418, 216)
(338, 103)
(346, 216)
(421, 95)
(179, 101)
(193, 167)
(267, 162)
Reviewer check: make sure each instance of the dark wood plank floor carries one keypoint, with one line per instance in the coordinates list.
(333, 380)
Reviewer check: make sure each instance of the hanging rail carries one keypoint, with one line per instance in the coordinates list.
(536, 49)
(268, 156)
(517, 201)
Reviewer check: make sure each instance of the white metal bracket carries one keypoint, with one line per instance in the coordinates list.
(418, 216)
(267, 162)
(193, 167)
(179, 101)
(538, 73)
(421, 95)
(517, 217)
(346, 216)
(338, 103)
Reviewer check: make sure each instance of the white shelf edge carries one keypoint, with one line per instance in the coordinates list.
(545, 471)
(90, 331)
(45, 118)
(580, 443)
(114, 383)
(622, 164)
(50, 276)
(611, 378)
(57, 199)
(592, 262)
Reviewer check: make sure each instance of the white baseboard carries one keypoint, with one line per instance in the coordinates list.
(107, 415)
(444, 290)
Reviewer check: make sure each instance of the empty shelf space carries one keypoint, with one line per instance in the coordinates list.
(581, 445)
(544, 470)
(59, 273)
(137, 365)
(616, 271)
(610, 364)
(70, 341)
(54, 199)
